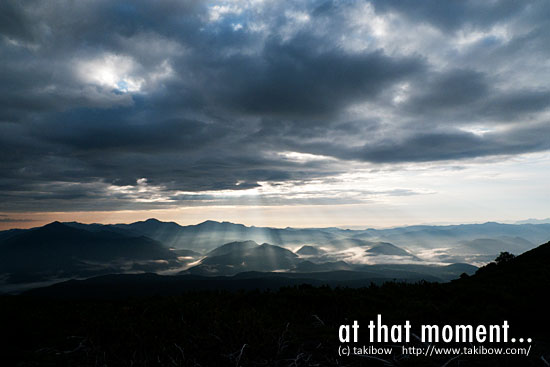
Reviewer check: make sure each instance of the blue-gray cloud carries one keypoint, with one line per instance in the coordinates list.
(197, 96)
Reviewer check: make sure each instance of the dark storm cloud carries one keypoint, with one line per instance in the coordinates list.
(469, 96)
(456, 145)
(13, 21)
(454, 14)
(105, 105)
(293, 79)
(452, 89)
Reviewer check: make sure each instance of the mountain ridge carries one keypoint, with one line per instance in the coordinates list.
(83, 250)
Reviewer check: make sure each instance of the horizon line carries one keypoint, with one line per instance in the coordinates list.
(352, 228)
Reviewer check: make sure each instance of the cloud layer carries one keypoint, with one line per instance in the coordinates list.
(108, 105)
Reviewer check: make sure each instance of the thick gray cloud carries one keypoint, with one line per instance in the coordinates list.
(193, 96)
(455, 14)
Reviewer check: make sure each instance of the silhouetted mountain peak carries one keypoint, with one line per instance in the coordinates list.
(152, 220)
(51, 231)
(54, 226)
(54, 223)
(209, 223)
(212, 224)
(233, 247)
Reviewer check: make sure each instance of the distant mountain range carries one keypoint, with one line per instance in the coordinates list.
(470, 243)
(534, 221)
(208, 235)
(71, 250)
(525, 272)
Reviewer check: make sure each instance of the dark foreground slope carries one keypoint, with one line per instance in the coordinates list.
(149, 284)
(295, 326)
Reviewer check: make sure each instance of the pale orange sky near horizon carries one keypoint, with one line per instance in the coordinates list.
(303, 217)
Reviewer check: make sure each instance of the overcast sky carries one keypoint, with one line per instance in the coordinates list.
(281, 113)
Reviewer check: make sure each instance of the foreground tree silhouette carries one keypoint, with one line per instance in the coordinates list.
(504, 257)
